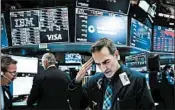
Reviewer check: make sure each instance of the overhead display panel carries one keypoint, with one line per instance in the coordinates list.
(93, 24)
(164, 39)
(121, 6)
(137, 62)
(36, 26)
(140, 35)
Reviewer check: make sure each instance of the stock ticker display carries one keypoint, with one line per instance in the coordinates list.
(93, 24)
(39, 26)
(137, 62)
(164, 39)
(140, 35)
(73, 58)
(121, 6)
(4, 39)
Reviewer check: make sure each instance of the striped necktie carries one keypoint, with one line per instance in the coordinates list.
(107, 103)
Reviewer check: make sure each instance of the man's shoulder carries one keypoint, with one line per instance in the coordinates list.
(96, 77)
(132, 73)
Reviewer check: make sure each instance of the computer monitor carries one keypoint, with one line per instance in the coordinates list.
(167, 58)
(164, 39)
(73, 58)
(26, 68)
(42, 25)
(93, 24)
(140, 35)
(137, 62)
(66, 68)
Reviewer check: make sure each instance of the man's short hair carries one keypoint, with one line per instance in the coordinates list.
(104, 42)
(5, 62)
(50, 58)
(166, 67)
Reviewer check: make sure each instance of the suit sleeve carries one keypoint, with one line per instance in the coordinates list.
(79, 95)
(34, 93)
(146, 100)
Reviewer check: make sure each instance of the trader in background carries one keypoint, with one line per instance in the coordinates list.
(168, 74)
(116, 88)
(49, 88)
(8, 74)
(167, 88)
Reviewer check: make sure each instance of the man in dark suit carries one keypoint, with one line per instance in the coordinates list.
(8, 74)
(116, 88)
(49, 88)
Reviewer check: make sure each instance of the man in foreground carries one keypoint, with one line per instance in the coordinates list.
(116, 88)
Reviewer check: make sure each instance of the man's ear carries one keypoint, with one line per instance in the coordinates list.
(116, 53)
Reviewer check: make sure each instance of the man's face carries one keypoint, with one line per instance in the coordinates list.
(10, 74)
(106, 62)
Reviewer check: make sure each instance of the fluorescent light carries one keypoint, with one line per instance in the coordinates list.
(160, 14)
(171, 24)
(144, 5)
(166, 15)
(172, 17)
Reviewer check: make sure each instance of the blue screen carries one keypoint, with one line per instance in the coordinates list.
(73, 58)
(137, 62)
(163, 40)
(140, 35)
(114, 28)
(94, 24)
(4, 39)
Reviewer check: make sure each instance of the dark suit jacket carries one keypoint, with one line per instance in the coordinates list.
(7, 98)
(129, 97)
(49, 90)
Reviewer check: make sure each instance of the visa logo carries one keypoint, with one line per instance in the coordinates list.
(54, 37)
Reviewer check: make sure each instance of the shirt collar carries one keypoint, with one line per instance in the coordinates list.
(50, 66)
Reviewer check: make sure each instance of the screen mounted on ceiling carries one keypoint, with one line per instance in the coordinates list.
(164, 39)
(93, 24)
(44, 25)
(140, 35)
(121, 6)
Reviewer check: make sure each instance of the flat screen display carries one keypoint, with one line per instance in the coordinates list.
(66, 68)
(140, 35)
(120, 6)
(137, 62)
(164, 39)
(4, 39)
(44, 25)
(73, 58)
(22, 86)
(27, 68)
(93, 24)
(26, 64)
